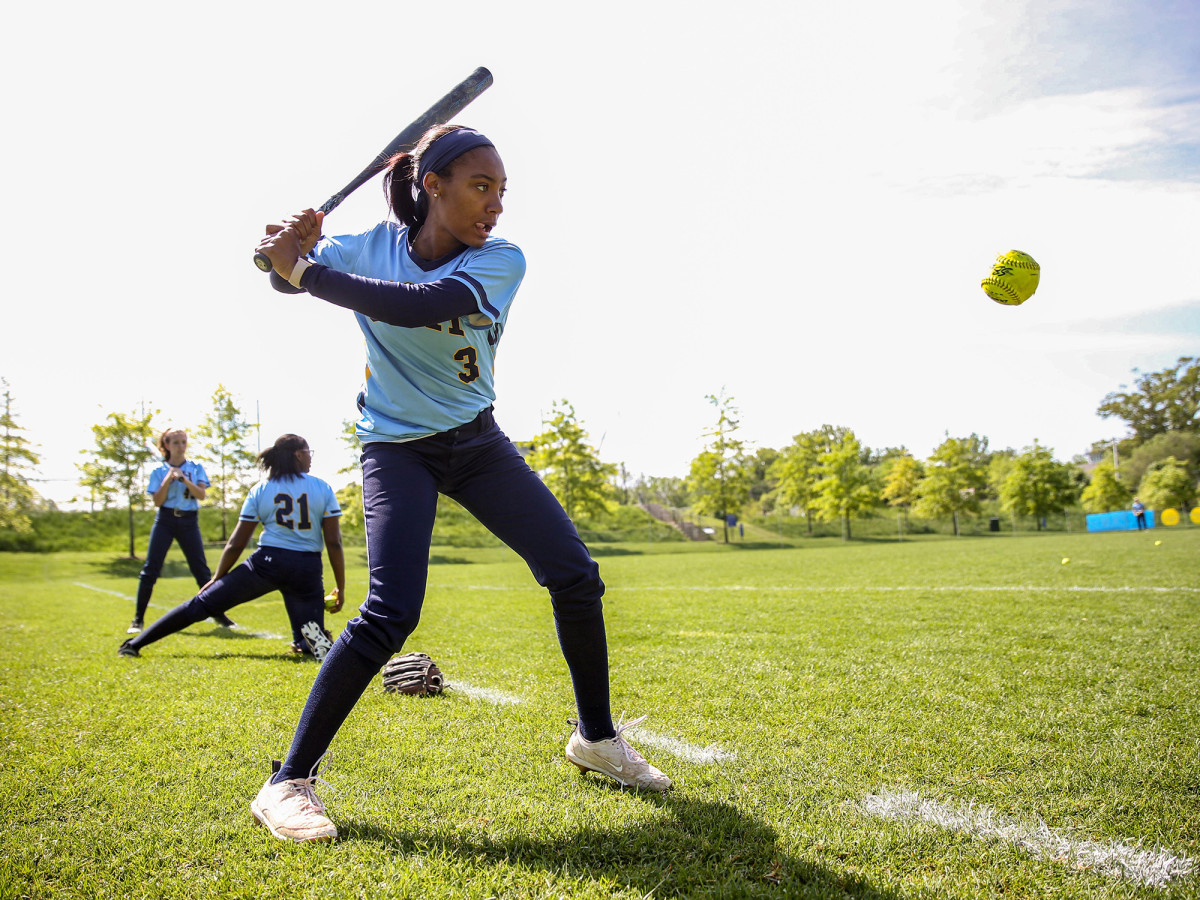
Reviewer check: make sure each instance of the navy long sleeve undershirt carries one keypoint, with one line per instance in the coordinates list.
(390, 302)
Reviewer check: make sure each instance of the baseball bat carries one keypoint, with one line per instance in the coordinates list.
(441, 112)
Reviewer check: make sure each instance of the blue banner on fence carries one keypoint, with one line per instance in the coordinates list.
(1123, 520)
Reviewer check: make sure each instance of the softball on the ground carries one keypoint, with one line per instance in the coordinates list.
(1014, 278)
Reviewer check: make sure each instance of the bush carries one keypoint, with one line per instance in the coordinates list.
(104, 530)
(108, 530)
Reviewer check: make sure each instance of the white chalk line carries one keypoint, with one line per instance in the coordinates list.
(692, 753)
(490, 695)
(265, 635)
(99, 590)
(682, 749)
(1154, 868)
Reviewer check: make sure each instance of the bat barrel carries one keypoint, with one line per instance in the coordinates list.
(441, 112)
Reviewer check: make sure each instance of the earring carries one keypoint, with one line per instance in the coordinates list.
(435, 196)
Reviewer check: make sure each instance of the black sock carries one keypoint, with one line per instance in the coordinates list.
(143, 600)
(343, 677)
(585, 649)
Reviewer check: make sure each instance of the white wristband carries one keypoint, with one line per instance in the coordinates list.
(298, 271)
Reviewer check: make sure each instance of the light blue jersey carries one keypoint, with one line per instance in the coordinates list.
(422, 381)
(291, 511)
(178, 495)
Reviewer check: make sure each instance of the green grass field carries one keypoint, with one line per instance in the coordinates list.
(1021, 716)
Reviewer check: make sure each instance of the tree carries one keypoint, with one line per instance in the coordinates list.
(719, 476)
(666, 490)
(901, 476)
(955, 475)
(224, 432)
(353, 447)
(1106, 492)
(846, 485)
(570, 466)
(114, 470)
(1037, 485)
(1183, 445)
(797, 469)
(623, 483)
(760, 466)
(1160, 401)
(1167, 484)
(17, 496)
(999, 465)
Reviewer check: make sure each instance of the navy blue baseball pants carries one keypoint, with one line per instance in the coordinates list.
(477, 466)
(171, 525)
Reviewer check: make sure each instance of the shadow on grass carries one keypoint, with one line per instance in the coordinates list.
(602, 550)
(697, 847)
(438, 560)
(131, 567)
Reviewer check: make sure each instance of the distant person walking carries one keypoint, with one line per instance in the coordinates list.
(299, 512)
(177, 486)
(1139, 513)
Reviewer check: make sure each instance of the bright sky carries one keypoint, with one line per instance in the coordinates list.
(793, 202)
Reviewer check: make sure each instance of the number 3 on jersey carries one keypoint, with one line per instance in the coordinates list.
(468, 359)
(285, 505)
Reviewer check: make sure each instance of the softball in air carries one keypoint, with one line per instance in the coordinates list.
(1014, 278)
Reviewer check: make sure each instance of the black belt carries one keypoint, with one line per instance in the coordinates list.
(477, 425)
(179, 513)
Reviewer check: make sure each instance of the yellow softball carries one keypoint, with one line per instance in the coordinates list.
(1014, 278)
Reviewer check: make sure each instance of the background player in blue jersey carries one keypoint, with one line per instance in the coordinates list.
(432, 296)
(177, 487)
(299, 512)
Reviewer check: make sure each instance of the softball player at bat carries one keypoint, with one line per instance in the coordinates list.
(432, 295)
(177, 487)
(299, 512)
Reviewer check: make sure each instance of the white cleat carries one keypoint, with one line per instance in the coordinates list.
(616, 759)
(318, 639)
(292, 811)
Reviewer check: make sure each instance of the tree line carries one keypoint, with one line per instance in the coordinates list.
(828, 475)
(823, 475)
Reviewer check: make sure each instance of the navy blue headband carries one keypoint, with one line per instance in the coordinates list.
(446, 149)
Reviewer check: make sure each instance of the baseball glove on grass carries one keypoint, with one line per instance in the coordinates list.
(412, 673)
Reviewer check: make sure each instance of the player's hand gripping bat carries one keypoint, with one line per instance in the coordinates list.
(440, 113)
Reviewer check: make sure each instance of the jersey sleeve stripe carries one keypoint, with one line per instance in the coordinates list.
(479, 291)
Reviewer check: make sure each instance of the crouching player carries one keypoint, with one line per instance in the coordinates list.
(299, 512)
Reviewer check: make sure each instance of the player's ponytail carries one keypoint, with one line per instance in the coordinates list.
(398, 187)
(408, 202)
(279, 460)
